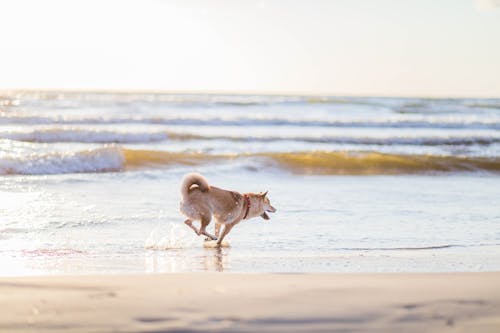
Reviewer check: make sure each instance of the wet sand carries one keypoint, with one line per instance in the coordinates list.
(211, 302)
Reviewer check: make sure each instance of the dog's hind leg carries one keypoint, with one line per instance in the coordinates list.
(227, 229)
(189, 223)
(203, 231)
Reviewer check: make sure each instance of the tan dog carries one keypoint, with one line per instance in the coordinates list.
(201, 202)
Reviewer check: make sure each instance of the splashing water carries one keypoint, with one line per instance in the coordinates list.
(174, 236)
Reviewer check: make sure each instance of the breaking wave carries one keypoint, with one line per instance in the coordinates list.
(51, 135)
(89, 161)
(395, 140)
(371, 163)
(115, 159)
(420, 122)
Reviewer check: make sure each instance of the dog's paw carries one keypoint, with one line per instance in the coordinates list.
(215, 245)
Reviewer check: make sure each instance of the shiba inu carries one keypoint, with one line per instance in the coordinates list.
(202, 202)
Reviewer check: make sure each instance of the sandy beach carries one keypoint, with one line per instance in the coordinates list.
(449, 302)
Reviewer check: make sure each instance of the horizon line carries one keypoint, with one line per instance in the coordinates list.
(240, 93)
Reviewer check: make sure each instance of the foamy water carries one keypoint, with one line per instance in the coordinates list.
(90, 182)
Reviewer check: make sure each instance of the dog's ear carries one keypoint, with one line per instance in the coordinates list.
(264, 194)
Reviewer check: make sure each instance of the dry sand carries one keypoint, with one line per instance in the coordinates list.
(454, 302)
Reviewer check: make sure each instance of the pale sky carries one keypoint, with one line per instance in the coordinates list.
(338, 47)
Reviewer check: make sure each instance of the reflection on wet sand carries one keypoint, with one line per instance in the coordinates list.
(215, 259)
(182, 260)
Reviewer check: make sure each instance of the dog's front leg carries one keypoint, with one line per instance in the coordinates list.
(217, 229)
(227, 229)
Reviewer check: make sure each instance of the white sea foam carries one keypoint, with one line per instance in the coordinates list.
(466, 121)
(83, 135)
(96, 160)
(356, 139)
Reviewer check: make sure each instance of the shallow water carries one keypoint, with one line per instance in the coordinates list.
(90, 183)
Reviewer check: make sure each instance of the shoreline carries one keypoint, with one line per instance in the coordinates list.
(231, 302)
(228, 92)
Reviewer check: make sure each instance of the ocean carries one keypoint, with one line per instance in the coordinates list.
(89, 182)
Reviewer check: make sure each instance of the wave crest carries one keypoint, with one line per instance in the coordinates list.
(50, 135)
(88, 161)
(390, 122)
(112, 159)
(324, 162)
(373, 163)
(81, 135)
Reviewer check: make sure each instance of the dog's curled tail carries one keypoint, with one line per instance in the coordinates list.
(193, 179)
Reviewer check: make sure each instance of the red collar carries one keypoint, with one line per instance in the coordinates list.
(247, 201)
